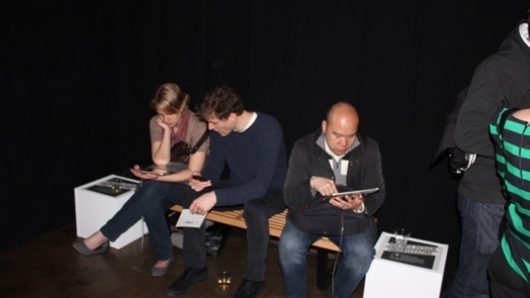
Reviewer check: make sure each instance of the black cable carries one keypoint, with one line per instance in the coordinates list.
(341, 238)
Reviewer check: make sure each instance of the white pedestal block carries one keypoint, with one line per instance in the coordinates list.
(415, 272)
(94, 208)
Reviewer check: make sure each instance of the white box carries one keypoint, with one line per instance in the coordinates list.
(415, 272)
(93, 209)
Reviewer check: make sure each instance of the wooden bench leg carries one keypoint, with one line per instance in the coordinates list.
(322, 269)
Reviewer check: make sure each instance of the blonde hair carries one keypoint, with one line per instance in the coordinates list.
(170, 98)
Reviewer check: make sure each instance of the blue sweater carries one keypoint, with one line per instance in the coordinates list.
(256, 161)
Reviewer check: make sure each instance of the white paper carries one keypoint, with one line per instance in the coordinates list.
(188, 220)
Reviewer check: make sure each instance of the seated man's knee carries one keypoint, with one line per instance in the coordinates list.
(359, 256)
(361, 245)
(292, 243)
(252, 212)
(291, 250)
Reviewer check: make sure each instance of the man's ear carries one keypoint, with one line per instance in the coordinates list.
(324, 126)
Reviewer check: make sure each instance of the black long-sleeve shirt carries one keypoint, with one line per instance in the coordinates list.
(503, 79)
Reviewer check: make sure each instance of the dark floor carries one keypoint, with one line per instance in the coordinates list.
(49, 267)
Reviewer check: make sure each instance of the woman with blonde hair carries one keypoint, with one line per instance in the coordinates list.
(179, 143)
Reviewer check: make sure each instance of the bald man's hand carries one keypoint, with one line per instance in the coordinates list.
(347, 202)
(323, 186)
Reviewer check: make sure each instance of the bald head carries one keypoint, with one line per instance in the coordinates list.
(342, 110)
(340, 127)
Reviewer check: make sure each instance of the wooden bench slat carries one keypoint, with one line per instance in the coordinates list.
(276, 224)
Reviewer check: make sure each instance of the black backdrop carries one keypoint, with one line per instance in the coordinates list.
(77, 77)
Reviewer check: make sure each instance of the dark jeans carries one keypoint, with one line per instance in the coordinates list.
(153, 199)
(480, 223)
(357, 255)
(504, 281)
(149, 202)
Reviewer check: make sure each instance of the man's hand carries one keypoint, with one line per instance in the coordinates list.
(324, 186)
(204, 203)
(347, 202)
(198, 185)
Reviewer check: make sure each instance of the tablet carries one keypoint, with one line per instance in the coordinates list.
(366, 191)
(155, 170)
(169, 169)
(199, 177)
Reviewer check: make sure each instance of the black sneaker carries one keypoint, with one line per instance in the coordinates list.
(189, 278)
(249, 289)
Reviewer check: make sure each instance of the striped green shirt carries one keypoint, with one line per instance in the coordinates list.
(512, 146)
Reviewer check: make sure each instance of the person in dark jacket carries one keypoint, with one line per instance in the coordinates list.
(503, 79)
(333, 159)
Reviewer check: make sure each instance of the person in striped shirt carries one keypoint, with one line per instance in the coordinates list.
(509, 268)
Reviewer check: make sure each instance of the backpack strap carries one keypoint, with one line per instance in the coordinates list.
(200, 141)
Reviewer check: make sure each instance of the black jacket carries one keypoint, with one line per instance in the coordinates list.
(306, 212)
(503, 79)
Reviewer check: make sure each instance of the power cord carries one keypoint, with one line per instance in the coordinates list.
(335, 263)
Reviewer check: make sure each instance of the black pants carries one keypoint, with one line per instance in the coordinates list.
(256, 213)
(504, 282)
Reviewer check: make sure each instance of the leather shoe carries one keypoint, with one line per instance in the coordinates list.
(188, 279)
(249, 289)
(81, 248)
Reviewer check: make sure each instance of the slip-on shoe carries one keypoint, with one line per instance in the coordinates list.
(81, 248)
(187, 280)
(160, 271)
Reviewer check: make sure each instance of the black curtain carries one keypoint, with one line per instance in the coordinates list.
(77, 78)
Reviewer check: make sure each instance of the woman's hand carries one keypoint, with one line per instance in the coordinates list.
(161, 123)
(135, 170)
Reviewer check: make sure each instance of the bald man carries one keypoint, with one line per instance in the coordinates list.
(335, 158)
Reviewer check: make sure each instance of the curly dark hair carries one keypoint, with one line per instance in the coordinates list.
(220, 102)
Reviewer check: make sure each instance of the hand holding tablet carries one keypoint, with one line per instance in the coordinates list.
(168, 169)
(366, 191)
(155, 170)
